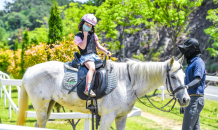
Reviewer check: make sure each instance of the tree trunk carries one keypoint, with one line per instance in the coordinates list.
(121, 43)
(123, 39)
(174, 47)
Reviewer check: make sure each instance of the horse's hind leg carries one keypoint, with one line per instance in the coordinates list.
(51, 105)
(121, 122)
(42, 110)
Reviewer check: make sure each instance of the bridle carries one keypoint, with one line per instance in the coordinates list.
(173, 92)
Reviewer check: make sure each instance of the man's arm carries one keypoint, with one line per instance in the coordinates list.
(194, 83)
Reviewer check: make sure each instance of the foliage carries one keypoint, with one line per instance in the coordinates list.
(23, 14)
(24, 48)
(73, 16)
(55, 25)
(5, 57)
(139, 57)
(155, 56)
(2, 31)
(173, 15)
(122, 14)
(16, 46)
(35, 55)
(95, 2)
(213, 31)
(4, 46)
(62, 52)
(15, 65)
(39, 35)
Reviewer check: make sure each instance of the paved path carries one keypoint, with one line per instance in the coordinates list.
(211, 92)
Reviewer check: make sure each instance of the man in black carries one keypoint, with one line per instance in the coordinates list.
(195, 80)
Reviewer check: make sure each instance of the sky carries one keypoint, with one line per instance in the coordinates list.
(2, 4)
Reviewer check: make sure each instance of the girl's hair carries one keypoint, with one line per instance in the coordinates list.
(80, 27)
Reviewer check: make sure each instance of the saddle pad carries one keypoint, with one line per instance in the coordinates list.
(70, 77)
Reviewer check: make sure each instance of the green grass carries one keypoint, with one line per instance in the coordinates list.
(208, 116)
(133, 123)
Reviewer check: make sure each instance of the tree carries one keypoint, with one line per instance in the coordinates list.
(121, 14)
(16, 46)
(173, 15)
(21, 14)
(213, 30)
(2, 31)
(73, 16)
(24, 48)
(55, 25)
(95, 2)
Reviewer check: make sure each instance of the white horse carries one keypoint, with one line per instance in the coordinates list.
(42, 83)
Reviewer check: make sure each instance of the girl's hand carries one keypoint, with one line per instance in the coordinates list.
(108, 53)
(85, 33)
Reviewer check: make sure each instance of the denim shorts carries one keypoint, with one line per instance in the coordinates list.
(89, 57)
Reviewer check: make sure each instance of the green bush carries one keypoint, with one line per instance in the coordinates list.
(139, 57)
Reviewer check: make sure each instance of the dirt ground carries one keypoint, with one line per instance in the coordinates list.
(163, 121)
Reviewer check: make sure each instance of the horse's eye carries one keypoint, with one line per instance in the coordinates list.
(173, 77)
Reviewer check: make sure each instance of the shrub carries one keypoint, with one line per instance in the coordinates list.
(36, 54)
(15, 67)
(5, 57)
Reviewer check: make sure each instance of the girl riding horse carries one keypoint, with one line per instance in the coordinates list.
(87, 42)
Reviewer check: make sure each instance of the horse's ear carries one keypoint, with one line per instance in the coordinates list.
(171, 61)
(181, 59)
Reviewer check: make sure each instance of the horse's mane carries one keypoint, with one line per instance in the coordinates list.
(150, 73)
(144, 73)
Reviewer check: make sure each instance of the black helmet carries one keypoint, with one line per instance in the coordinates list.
(190, 48)
(190, 42)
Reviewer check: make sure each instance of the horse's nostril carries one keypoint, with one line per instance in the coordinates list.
(184, 100)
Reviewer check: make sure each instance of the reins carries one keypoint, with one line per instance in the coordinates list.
(162, 108)
(170, 87)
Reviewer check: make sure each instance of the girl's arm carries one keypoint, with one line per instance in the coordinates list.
(82, 45)
(100, 47)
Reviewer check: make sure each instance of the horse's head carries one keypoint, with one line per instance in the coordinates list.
(174, 81)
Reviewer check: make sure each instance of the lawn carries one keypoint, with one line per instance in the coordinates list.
(208, 116)
(133, 123)
(209, 119)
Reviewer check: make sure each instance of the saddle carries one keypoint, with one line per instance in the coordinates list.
(99, 81)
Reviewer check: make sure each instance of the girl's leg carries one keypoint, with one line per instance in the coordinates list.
(91, 66)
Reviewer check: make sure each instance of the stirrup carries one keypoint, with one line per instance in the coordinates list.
(92, 94)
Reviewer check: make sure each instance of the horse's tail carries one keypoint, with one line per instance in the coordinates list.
(23, 105)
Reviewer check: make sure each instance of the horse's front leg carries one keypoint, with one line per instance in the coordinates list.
(121, 122)
(107, 120)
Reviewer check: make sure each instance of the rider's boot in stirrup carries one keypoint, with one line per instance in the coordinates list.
(92, 94)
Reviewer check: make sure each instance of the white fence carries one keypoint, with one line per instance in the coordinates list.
(6, 81)
(209, 96)
(206, 95)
